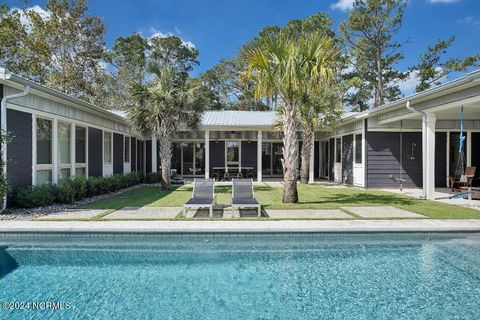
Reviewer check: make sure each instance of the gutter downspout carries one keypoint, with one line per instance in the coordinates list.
(3, 115)
(424, 146)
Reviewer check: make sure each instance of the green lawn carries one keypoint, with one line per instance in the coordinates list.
(311, 197)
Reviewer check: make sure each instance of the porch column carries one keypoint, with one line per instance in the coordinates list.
(259, 156)
(429, 189)
(207, 154)
(311, 176)
(55, 152)
(154, 153)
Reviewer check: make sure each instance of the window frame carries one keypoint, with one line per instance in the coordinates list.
(64, 165)
(44, 166)
(127, 156)
(338, 150)
(110, 133)
(81, 165)
(360, 154)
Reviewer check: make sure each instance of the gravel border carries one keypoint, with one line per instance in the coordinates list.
(25, 214)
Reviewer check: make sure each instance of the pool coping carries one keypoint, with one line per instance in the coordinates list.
(279, 226)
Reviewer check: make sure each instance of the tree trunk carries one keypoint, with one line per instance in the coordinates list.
(379, 96)
(165, 151)
(306, 151)
(290, 153)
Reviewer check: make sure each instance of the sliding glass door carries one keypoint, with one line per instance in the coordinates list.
(272, 155)
(188, 158)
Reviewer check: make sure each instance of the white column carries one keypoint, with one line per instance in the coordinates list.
(311, 171)
(154, 153)
(259, 156)
(430, 190)
(447, 173)
(55, 151)
(207, 154)
(72, 149)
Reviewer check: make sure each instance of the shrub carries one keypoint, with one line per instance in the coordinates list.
(80, 186)
(94, 186)
(153, 177)
(36, 196)
(65, 192)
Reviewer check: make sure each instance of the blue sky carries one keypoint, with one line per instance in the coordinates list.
(218, 28)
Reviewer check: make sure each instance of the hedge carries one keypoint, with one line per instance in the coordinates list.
(77, 188)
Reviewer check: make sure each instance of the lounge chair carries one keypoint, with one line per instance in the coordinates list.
(203, 196)
(243, 195)
(463, 181)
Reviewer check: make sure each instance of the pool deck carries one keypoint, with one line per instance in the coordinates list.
(405, 225)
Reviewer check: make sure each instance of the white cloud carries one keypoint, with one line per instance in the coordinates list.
(471, 21)
(443, 1)
(407, 86)
(24, 19)
(157, 33)
(343, 5)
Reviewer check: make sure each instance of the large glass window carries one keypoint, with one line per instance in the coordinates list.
(64, 143)
(358, 148)
(80, 145)
(187, 158)
(267, 158)
(44, 177)
(338, 150)
(277, 159)
(177, 157)
(233, 153)
(107, 148)
(44, 141)
(126, 150)
(199, 158)
(454, 152)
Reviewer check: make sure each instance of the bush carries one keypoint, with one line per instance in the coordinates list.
(36, 196)
(153, 177)
(80, 186)
(65, 192)
(77, 189)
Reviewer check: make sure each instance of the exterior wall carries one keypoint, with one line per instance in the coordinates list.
(383, 159)
(476, 157)
(316, 159)
(332, 160)
(347, 159)
(95, 152)
(133, 154)
(440, 159)
(148, 158)
(217, 154)
(117, 153)
(19, 150)
(249, 155)
(140, 157)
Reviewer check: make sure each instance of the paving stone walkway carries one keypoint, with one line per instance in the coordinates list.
(74, 214)
(308, 214)
(144, 213)
(385, 212)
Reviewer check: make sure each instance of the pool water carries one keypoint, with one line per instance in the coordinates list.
(270, 276)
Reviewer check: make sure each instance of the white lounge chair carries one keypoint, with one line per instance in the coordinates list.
(243, 195)
(203, 196)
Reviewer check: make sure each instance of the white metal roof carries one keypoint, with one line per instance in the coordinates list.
(238, 119)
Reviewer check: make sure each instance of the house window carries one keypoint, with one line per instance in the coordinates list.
(358, 148)
(64, 161)
(338, 150)
(107, 148)
(44, 164)
(80, 151)
(126, 150)
(233, 153)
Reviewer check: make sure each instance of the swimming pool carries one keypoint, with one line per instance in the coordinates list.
(242, 276)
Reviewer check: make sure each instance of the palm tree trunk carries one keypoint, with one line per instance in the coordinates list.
(165, 150)
(290, 153)
(306, 150)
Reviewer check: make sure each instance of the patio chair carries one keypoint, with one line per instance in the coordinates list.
(203, 196)
(463, 181)
(243, 195)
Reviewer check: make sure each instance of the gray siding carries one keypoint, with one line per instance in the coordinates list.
(95, 152)
(148, 159)
(217, 154)
(316, 160)
(441, 159)
(133, 154)
(331, 174)
(117, 153)
(249, 155)
(140, 145)
(383, 159)
(19, 150)
(476, 157)
(347, 159)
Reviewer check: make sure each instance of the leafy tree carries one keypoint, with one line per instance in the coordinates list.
(62, 49)
(369, 33)
(284, 66)
(431, 69)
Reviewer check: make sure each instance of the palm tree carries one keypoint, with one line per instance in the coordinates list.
(284, 66)
(317, 110)
(165, 106)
